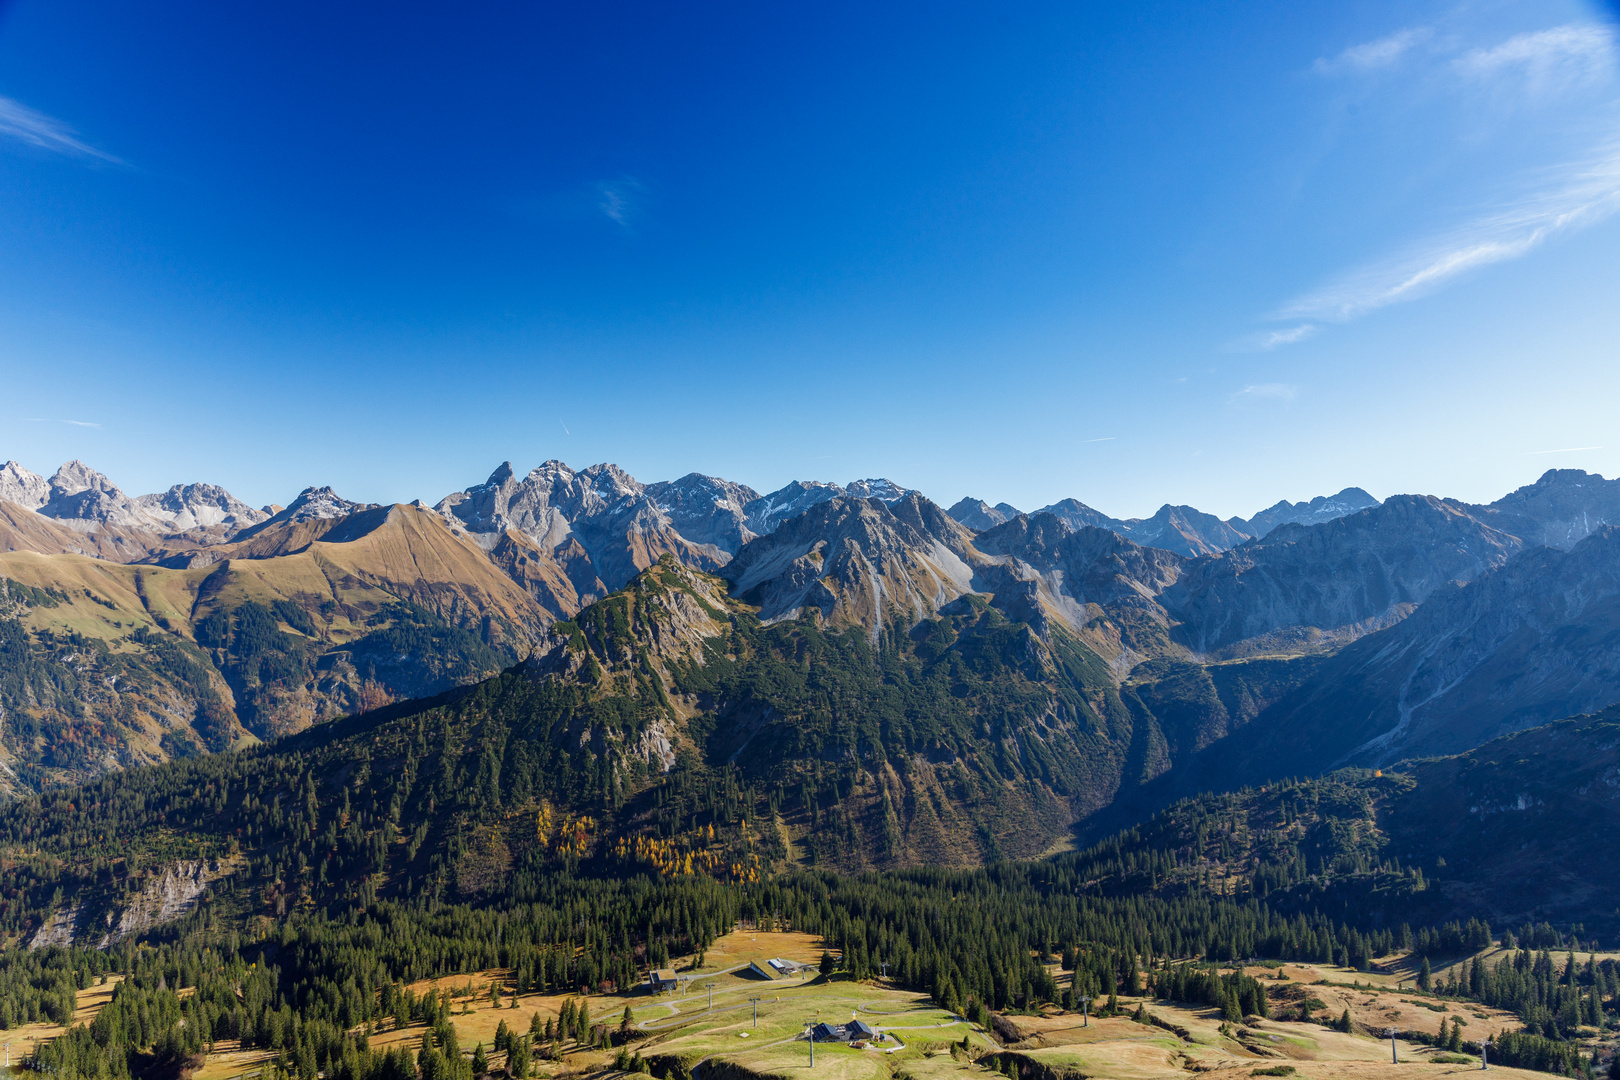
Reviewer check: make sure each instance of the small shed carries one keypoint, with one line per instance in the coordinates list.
(860, 1029)
(828, 1033)
(661, 979)
(761, 971)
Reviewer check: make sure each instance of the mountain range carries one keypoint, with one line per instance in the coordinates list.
(1103, 674)
(1182, 529)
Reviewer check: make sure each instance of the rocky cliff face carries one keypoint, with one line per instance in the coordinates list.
(80, 495)
(1101, 585)
(186, 508)
(860, 561)
(163, 897)
(766, 512)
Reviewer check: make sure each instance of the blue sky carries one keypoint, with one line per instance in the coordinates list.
(1216, 253)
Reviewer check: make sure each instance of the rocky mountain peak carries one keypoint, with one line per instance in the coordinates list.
(318, 503)
(1077, 515)
(1185, 530)
(610, 482)
(766, 512)
(1322, 508)
(1559, 509)
(199, 506)
(75, 476)
(23, 487)
(857, 561)
(979, 515)
(879, 488)
(706, 509)
(499, 478)
(80, 493)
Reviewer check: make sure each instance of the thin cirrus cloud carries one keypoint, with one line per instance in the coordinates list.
(18, 121)
(621, 201)
(1560, 199)
(1381, 53)
(1265, 392)
(1569, 198)
(1546, 60)
(1266, 340)
(55, 420)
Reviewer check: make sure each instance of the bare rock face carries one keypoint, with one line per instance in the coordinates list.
(320, 504)
(881, 489)
(1104, 587)
(858, 561)
(705, 509)
(185, 507)
(80, 494)
(19, 485)
(165, 897)
(619, 524)
(1189, 531)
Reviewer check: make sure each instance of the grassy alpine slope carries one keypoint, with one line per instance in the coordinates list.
(106, 665)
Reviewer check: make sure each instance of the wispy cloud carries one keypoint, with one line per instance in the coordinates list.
(1105, 438)
(27, 125)
(621, 201)
(1565, 450)
(1546, 60)
(1562, 198)
(1371, 55)
(1568, 198)
(1266, 340)
(54, 420)
(1271, 391)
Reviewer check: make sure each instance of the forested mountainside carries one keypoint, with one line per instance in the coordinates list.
(1505, 833)
(298, 888)
(668, 730)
